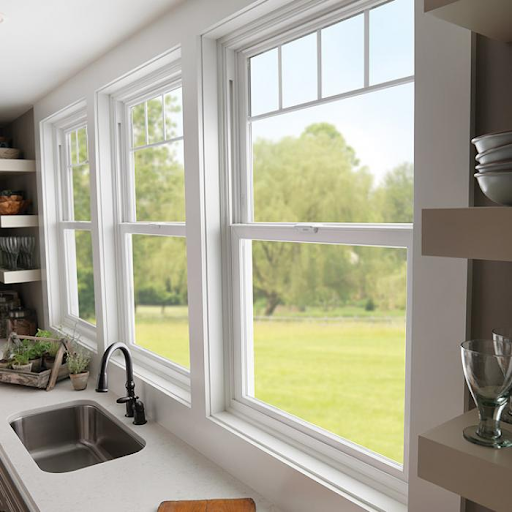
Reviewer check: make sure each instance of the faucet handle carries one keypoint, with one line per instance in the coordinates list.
(126, 399)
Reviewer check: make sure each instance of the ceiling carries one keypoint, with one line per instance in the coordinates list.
(44, 42)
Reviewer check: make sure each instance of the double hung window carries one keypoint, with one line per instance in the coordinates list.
(150, 225)
(320, 227)
(75, 228)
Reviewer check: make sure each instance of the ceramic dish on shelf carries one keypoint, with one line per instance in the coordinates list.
(497, 167)
(495, 155)
(492, 140)
(497, 186)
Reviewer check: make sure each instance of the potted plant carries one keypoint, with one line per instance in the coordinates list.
(36, 350)
(51, 354)
(20, 361)
(78, 364)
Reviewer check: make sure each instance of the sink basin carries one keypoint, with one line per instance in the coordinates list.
(74, 436)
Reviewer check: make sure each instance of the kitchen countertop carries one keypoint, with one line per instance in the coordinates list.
(166, 469)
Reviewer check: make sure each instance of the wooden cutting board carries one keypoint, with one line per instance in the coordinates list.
(239, 505)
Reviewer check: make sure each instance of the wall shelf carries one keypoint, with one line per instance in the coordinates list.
(473, 233)
(19, 276)
(491, 18)
(480, 474)
(11, 166)
(19, 221)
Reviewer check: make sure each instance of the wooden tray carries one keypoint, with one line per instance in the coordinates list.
(31, 379)
(42, 380)
(239, 505)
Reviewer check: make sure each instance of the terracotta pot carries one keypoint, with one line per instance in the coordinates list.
(22, 367)
(79, 380)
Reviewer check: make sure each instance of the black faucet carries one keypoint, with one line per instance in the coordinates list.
(134, 407)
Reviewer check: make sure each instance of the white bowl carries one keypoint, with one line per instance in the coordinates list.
(492, 156)
(492, 140)
(497, 186)
(497, 167)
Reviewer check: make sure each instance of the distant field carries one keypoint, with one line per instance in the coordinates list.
(346, 376)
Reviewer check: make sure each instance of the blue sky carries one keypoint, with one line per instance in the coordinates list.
(378, 125)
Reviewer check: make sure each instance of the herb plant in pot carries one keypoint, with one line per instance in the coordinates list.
(78, 365)
(20, 361)
(36, 351)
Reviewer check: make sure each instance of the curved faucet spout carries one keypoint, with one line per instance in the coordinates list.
(102, 386)
(134, 407)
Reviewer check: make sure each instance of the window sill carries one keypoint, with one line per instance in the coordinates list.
(368, 495)
(166, 386)
(178, 391)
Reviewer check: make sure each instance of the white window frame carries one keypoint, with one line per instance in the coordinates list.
(158, 82)
(234, 52)
(66, 227)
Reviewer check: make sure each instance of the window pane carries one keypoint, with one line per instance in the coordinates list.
(264, 82)
(155, 120)
(346, 161)
(160, 183)
(82, 145)
(85, 276)
(139, 125)
(300, 82)
(160, 296)
(329, 338)
(392, 41)
(73, 148)
(343, 56)
(81, 192)
(174, 114)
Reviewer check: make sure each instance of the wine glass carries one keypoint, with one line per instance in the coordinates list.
(487, 368)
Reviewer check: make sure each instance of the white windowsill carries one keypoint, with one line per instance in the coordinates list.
(356, 491)
(162, 384)
(165, 385)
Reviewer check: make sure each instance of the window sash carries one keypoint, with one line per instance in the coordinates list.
(393, 236)
(238, 216)
(127, 225)
(67, 226)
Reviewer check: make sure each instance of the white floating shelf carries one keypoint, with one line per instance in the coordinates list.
(480, 474)
(19, 221)
(491, 18)
(473, 233)
(19, 276)
(11, 166)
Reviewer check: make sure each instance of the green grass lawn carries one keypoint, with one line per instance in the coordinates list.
(347, 377)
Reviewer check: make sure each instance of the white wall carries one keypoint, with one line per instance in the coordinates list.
(447, 52)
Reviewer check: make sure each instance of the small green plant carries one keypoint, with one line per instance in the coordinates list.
(37, 349)
(53, 348)
(78, 361)
(20, 358)
(41, 333)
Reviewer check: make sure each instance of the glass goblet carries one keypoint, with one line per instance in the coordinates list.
(487, 368)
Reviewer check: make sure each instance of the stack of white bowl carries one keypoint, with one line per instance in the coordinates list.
(494, 169)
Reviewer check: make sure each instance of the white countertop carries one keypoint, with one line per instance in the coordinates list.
(165, 469)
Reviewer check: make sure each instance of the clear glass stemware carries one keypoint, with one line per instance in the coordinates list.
(487, 368)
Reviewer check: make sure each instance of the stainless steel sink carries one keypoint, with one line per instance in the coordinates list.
(74, 436)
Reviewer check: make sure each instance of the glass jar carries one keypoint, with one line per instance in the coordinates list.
(22, 321)
(8, 301)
